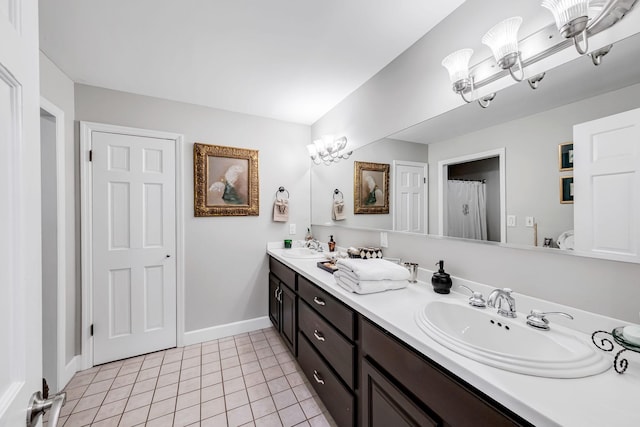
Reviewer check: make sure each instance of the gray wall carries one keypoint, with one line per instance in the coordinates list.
(226, 265)
(57, 88)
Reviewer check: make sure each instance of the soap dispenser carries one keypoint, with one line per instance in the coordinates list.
(332, 244)
(441, 280)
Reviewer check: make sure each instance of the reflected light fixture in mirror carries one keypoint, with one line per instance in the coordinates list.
(571, 18)
(457, 64)
(502, 39)
(328, 149)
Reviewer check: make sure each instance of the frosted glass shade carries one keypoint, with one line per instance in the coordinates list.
(565, 11)
(503, 38)
(313, 151)
(457, 64)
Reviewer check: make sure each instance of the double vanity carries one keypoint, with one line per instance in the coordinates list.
(414, 357)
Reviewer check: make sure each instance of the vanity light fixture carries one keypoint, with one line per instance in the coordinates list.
(328, 149)
(502, 39)
(571, 18)
(457, 64)
(575, 19)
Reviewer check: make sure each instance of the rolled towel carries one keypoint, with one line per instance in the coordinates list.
(373, 269)
(345, 280)
(337, 210)
(281, 210)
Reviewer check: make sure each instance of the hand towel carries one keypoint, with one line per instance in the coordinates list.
(337, 210)
(344, 280)
(373, 269)
(281, 210)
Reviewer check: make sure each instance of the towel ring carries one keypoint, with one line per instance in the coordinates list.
(336, 192)
(282, 190)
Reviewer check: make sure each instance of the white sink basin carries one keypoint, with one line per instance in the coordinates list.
(509, 344)
(302, 253)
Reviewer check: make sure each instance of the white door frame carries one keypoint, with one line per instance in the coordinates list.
(425, 168)
(86, 196)
(64, 371)
(442, 178)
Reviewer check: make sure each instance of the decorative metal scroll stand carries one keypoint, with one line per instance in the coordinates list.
(605, 344)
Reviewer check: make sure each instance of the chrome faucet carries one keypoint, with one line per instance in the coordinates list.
(503, 301)
(314, 245)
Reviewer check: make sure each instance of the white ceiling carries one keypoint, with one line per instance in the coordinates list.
(291, 60)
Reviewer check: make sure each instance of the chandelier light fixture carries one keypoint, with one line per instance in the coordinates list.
(575, 20)
(328, 149)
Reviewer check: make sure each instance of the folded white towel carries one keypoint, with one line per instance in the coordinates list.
(337, 210)
(373, 269)
(345, 280)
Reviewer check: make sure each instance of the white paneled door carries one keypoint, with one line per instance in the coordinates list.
(20, 242)
(607, 186)
(410, 207)
(134, 245)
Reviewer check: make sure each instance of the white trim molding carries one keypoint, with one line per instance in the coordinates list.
(69, 371)
(221, 331)
(61, 240)
(86, 130)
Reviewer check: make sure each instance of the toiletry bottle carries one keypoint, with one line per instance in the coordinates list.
(440, 280)
(332, 244)
(308, 236)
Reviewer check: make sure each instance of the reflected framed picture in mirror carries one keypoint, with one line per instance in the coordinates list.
(225, 181)
(370, 188)
(565, 156)
(566, 189)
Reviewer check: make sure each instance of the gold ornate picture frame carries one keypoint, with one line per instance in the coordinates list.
(370, 188)
(225, 181)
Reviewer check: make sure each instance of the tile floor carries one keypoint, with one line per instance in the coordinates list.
(245, 380)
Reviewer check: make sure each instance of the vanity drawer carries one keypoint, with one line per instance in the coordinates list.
(284, 273)
(338, 314)
(335, 396)
(336, 349)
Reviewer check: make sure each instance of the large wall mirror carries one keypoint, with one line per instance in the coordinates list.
(528, 125)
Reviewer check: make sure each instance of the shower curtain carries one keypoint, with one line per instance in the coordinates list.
(467, 209)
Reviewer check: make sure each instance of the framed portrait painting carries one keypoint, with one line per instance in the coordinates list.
(371, 188)
(225, 181)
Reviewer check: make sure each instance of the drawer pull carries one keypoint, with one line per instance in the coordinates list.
(318, 335)
(319, 301)
(275, 292)
(316, 377)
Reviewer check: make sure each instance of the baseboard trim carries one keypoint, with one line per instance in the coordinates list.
(69, 371)
(221, 331)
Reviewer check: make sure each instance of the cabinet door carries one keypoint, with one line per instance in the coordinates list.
(288, 318)
(274, 304)
(384, 405)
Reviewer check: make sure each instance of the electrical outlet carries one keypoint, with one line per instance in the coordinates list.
(511, 221)
(529, 221)
(384, 243)
(292, 229)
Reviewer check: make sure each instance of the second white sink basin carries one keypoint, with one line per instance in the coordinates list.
(510, 344)
(302, 253)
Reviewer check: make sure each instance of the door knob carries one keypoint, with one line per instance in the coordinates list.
(38, 406)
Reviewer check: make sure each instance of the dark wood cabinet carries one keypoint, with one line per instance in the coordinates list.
(283, 303)
(384, 404)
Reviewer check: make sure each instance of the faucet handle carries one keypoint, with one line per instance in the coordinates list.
(476, 299)
(537, 319)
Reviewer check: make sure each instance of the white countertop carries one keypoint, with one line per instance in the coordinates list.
(608, 399)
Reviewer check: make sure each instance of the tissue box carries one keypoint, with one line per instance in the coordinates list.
(365, 253)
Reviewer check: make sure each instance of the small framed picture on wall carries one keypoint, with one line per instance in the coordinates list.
(565, 156)
(566, 189)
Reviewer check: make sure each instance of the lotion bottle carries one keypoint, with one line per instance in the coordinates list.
(332, 244)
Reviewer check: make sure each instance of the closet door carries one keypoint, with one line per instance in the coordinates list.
(607, 186)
